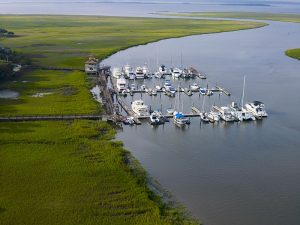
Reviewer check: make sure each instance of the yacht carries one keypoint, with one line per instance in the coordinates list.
(127, 69)
(257, 109)
(204, 117)
(156, 118)
(195, 87)
(121, 84)
(139, 74)
(170, 111)
(139, 108)
(129, 121)
(167, 85)
(163, 70)
(240, 114)
(205, 91)
(116, 72)
(176, 73)
(226, 114)
(131, 76)
(145, 70)
(180, 119)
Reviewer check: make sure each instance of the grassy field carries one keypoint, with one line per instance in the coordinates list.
(293, 53)
(65, 41)
(65, 93)
(244, 15)
(72, 173)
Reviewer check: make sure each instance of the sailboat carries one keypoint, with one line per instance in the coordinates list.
(241, 113)
(179, 117)
(203, 114)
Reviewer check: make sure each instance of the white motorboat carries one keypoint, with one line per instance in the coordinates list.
(156, 118)
(213, 116)
(139, 108)
(167, 85)
(129, 121)
(226, 114)
(131, 76)
(257, 109)
(121, 84)
(145, 70)
(133, 87)
(158, 87)
(240, 114)
(154, 92)
(176, 73)
(204, 117)
(163, 70)
(127, 69)
(170, 111)
(139, 74)
(117, 73)
(180, 119)
(195, 87)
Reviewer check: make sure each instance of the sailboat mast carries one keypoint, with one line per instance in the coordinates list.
(243, 95)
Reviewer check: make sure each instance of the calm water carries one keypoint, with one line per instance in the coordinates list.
(228, 174)
(129, 8)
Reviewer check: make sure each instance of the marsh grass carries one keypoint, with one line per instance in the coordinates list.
(72, 173)
(293, 53)
(67, 93)
(65, 41)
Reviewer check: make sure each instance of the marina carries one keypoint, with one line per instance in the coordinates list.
(137, 111)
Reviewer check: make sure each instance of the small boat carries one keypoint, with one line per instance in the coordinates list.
(257, 109)
(195, 87)
(158, 87)
(117, 73)
(139, 74)
(204, 117)
(124, 93)
(149, 91)
(143, 87)
(156, 118)
(129, 121)
(145, 70)
(202, 91)
(226, 114)
(201, 76)
(154, 92)
(176, 73)
(131, 76)
(240, 114)
(133, 87)
(213, 116)
(163, 70)
(179, 119)
(172, 90)
(170, 111)
(121, 84)
(167, 85)
(139, 108)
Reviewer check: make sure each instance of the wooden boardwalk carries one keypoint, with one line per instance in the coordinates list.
(54, 117)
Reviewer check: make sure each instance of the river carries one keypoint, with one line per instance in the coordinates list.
(227, 174)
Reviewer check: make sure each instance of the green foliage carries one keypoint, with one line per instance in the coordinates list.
(245, 15)
(66, 93)
(293, 53)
